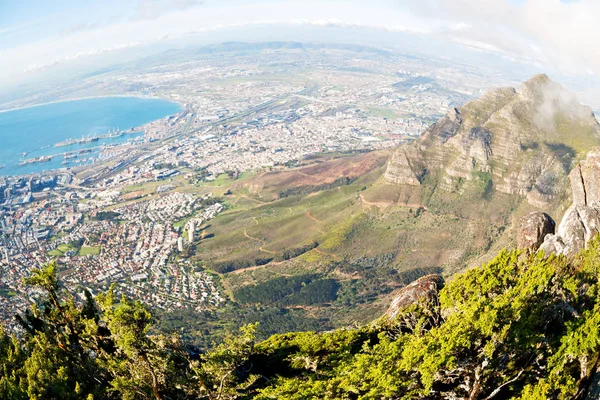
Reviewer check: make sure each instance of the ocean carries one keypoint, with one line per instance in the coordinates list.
(35, 130)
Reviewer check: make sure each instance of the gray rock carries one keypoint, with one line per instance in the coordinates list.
(533, 228)
(499, 134)
(594, 388)
(590, 217)
(571, 230)
(553, 244)
(422, 290)
(585, 180)
(581, 221)
(406, 167)
(579, 225)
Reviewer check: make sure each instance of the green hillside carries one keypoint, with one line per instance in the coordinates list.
(355, 228)
(521, 326)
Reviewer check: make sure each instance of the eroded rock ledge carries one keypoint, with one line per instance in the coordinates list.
(581, 221)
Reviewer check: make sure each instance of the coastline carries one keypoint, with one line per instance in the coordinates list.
(136, 129)
(136, 96)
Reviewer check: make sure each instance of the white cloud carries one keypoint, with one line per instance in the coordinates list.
(151, 9)
(538, 32)
(555, 33)
(78, 28)
(174, 18)
(92, 52)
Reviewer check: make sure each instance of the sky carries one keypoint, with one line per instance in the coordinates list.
(549, 35)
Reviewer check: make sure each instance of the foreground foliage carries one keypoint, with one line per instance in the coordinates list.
(522, 326)
(102, 349)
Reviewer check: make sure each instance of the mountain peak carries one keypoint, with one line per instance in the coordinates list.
(523, 142)
(541, 88)
(539, 79)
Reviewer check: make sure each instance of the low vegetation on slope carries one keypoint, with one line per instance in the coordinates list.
(366, 235)
(519, 327)
(522, 326)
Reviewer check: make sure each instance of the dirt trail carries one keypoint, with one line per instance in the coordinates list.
(383, 204)
(239, 271)
(321, 252)
(253, 238)
(262, 242)
(312, 218)
(252, 199)
(266, 251)
(304, 174)
(317, 229)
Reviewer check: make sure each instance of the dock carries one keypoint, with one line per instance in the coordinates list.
(67, 155)
(95, 138)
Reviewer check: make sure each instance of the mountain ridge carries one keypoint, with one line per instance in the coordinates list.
(371, 237)
(525, 138)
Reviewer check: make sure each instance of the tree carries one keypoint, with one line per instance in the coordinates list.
(103, 349)
(225, 372)
(12, 357)
(521, 326)
(59, 339)
(142, 366)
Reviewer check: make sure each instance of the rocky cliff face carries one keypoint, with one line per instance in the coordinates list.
(581, 222)
(525, 140)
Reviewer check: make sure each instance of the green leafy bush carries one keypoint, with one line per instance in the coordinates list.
(522, 326)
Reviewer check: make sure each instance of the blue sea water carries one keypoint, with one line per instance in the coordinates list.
(35, 130)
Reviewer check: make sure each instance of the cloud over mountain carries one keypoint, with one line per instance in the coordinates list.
(548, 32)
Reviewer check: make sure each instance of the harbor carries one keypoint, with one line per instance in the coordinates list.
(36, 160)
(82, 124)
(69, 156)
(91, 139)
(73, 156)
(83, 140)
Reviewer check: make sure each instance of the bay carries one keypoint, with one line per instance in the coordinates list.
(35, 130)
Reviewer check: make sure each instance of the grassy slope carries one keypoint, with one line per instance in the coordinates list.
(373, 239)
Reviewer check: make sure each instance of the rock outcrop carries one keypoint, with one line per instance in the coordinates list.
(581, 221)
(423, 290)
(593, 392)
(524, 140)
(406, 167)
(585, 180)
(533, 228)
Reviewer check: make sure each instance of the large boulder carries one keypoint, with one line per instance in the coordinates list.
(581, 222)
(533, 228)
(553, 244)
(579, 225)
(422, 291)
(572, 231)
